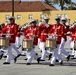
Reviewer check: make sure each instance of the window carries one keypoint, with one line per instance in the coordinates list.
(42, 16)
(30, 16)
(7, 17)
(18, 17)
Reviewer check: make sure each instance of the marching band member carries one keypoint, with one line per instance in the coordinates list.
(72, 38)
(43, 31)
(11, 30)
(31, 33)
(22, 30)
(64, 39)
(18, 45)
(57, 31)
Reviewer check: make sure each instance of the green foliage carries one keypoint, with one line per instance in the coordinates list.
(62, 3)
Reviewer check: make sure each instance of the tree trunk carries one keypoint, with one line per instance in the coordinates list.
(62, 6)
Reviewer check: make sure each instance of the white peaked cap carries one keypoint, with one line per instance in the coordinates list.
(46, 18)
(33, 21)
(57, 17)
(11, 18)
(64, 18)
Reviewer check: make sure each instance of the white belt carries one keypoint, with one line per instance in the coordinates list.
(44, 34)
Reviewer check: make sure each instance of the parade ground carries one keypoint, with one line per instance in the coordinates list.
(20, 67)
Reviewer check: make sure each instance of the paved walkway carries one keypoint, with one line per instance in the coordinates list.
(20, 68)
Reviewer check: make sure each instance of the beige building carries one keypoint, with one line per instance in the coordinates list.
(25, 11)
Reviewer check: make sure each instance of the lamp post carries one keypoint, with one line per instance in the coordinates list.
(13, 8)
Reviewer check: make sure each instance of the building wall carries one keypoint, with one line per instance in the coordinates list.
(36, 15)
(70, 14)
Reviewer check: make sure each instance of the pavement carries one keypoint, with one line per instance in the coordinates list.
(20, 68)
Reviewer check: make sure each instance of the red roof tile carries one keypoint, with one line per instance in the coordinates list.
(6, 6)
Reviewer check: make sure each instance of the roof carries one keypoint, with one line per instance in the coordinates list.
(6, 6)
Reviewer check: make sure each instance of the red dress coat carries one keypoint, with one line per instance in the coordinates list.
(11, 29)
(43, 32)
(73, 33)
(31, 32)
(58, 31)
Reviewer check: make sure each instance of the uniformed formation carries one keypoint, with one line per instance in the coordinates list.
(46, 36)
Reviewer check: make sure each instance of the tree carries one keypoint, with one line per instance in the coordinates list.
(62, 3)
(72, 6)
(49, 2)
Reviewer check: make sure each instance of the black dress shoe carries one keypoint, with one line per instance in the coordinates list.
(72, 55)
(5, 56)
(23, 55)
(57, 60)
(15, 59)
(28, 63)
(1, 56)
(2, 51)
(38, 60)
(18, 55)
(26, 59)
(50, 56)
(68, 58)
(36, 54)
(73, 58)
(61, 63)
(71, 48)
(51, 64)
(6, 63)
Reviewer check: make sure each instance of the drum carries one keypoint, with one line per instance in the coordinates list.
(4, 42)
(50, 43)
(27, 44)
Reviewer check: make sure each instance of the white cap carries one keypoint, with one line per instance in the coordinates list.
(57, 17)
(63, 18)
(46, 18)
(11, 18)
(33, 21)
